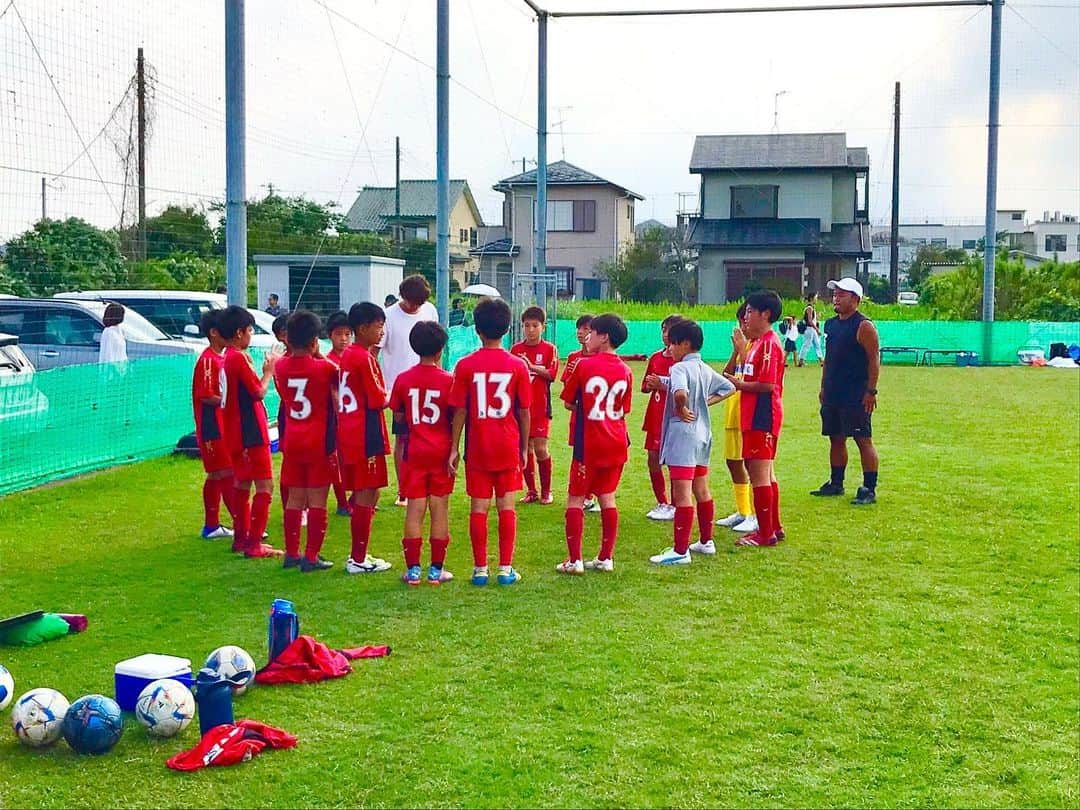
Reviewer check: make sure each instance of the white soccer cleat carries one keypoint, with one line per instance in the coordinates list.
(600, 565)
(593, 506)
(370, 565)
(748, 525)
(734, 519)
(670, 556)
(573, 567)
(703, 548)
(217, 533)
(662, 511)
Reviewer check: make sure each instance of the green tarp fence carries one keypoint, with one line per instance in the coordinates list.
(68, 421)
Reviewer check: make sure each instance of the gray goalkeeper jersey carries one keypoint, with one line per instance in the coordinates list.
(689, 444)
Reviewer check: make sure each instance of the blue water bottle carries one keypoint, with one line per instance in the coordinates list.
(213, 694)
(283, 628)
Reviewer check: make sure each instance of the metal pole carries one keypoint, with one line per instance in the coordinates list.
(540, 243)
(43, 216)
(442, 161)
(397, 189)
(990, 240)
(894, 240)
(235, 170)
(140, 93)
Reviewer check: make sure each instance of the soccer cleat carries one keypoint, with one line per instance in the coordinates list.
(370, 565)
(748, 525)
(412, 575)
(588, 505)
(437, 575)
(291, 562)
(507, 575)
(574, 567)
(401, 500)
(828, 489)
(707, 549)
(547, 499)
(755, 539)
(344, 511)
(216, 532)
(864, 497)
(670, 556)
(262, 552)
(320, 564)
(662, 511)
(600, 565)
(780, 535)
(531, 497)
(480, 575)
(732, 520)
(594, 506)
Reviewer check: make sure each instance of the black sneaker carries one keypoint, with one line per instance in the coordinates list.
(321, 564)
(864, 497)
(829, 489)
(291, 562)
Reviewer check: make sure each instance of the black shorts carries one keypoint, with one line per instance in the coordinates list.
(845, 420)
(789, 346)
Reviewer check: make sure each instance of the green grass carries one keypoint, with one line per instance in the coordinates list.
(921, 652)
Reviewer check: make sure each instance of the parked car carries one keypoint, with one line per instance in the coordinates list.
(19, 395)
(908, 298)
(55, 332)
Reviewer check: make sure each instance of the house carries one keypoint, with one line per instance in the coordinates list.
(376, 209)
(589, 220)
(786, 211)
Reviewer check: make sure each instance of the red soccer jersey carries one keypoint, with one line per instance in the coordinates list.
(307, 403)
(571, 363)
(492, 386)
(335, 357)
(361, 429)
(245, 414)
(421, 402)
(764, 363)
(541, 354)
(600, 389)
(660, 363)
(206, 383)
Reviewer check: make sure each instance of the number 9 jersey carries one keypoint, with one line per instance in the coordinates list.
(600, 389)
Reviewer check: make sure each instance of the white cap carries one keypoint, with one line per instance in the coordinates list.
(847, 285)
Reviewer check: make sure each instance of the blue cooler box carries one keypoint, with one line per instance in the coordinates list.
(135, 674)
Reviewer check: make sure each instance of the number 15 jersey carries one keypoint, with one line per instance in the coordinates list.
(421, 402)
(492, 386)
(600, 389)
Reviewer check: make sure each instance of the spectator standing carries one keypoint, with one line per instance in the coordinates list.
(812, 333)
(113, 347)
(273, 306)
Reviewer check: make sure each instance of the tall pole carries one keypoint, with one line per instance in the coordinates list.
(540, 244)
(442, 161)
(990, 237)
(140, 94)
(43, 215)
(235, 169)
(894, 238)
(397, 189)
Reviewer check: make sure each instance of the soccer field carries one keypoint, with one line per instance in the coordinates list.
(923, 651)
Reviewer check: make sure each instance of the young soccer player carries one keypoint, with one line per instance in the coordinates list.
(761, 407)
(659, 364)
(686, 440)
(599, 392)
(247, 432)
(542, 358)
(341, 335)
(280, 329)
(742, 519)
(206, 395)
(305, 382)
(361, 432)
(583, 325)
(420, 403)
(491, 392)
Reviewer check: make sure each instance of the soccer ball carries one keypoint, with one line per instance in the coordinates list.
(165, 707)
(7, 687)
(93, 724)
(234, 665)
(38, 717)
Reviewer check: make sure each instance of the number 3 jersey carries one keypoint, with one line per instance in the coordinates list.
(600, 389)
(305, 385)
(492, 386)
(361, 428)
(421, 402)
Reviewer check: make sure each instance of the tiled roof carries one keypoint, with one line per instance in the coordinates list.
(500, 247)
(373, 209)
(821, 150)
(846, 239)
(561, 173)
(755, 233)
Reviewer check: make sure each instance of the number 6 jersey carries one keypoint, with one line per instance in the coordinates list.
(600, 389)
(492, 386)
(305, 385)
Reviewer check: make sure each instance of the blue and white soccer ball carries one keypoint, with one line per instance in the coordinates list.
(234, 665)
(93, 724)
(165, 707)
(38, 717)
(7, 687)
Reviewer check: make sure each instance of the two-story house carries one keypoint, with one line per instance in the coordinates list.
(787, 212)
(589, 220)
(377, 209)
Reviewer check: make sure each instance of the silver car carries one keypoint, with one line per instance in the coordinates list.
(19, 396)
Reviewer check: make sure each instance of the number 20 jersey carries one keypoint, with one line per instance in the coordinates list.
(600, 389)
(492, 386)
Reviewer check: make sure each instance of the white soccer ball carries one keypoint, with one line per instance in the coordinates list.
(7, 687)
(165, 707)
(234, 664)
(38, 717)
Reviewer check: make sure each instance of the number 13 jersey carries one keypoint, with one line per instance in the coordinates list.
(600, 389)
(492, 385)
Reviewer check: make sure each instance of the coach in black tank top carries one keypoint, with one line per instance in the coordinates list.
(849, 390)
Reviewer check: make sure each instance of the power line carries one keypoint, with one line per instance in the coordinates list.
(682, 12)
(1051, 42)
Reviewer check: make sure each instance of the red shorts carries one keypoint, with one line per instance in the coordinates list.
(253, 464)
(587, 480)
(539, 426)
(758, 445)
(368, 474)
(481, 483)
(215, 456)
(418, 480)
(306, 472)
(686, 473)
(652, 441)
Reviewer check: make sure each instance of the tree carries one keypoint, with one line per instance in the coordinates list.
(644, 270)
(178, 230)
(1050, 291)
(61, 256)
(879, 290)
(926, 258)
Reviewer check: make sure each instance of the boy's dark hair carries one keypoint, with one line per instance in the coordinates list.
(584, 320)
(669, 320)
(302, 328)
(763, 300)
(208, 321)
(365, 313)
(686, 329)
(113, 315)
(534, 314)
(337, 320)
(491, 318)
(740, 313)
(415, 289)
(612, 326)
(428, 338)
(234, 319)
(280, 324)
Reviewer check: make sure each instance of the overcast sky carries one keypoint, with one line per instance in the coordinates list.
(331, 83)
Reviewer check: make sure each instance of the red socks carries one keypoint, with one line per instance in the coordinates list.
(530, 473)
(684, 523)
(316, 532)
(211, 498)
(340, 495)
(609, 531)
(360, 528)
(777, 525)
(478, 537)
(763, 506)
(575, 528)
(227, 489)
(260, 516)
(292, 531)
(705, 514)
(659, 486)
(412, 546)
(507, 536)
(241, 519)
(545, 475)
(438, 550)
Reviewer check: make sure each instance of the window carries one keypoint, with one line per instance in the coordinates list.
(472, 237)
(564, 280)
(939, 242)
(971, 244)
(578, 216)
(463, 235)
(1056, 243)
(749, 202)
(918, 241)
(421, 233)
(1017, 216)
(66, 328)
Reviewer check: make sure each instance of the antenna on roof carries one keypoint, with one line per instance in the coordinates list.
(776, 111)
(562, 134)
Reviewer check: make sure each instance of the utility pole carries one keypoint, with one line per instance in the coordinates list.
(140, 93)
(235, 158)
(990, 237)
(540, 245)
(397, 188)
(894, 236)
(43, 216)
(442, 160)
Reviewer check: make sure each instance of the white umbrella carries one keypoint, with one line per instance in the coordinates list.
(482, 289)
